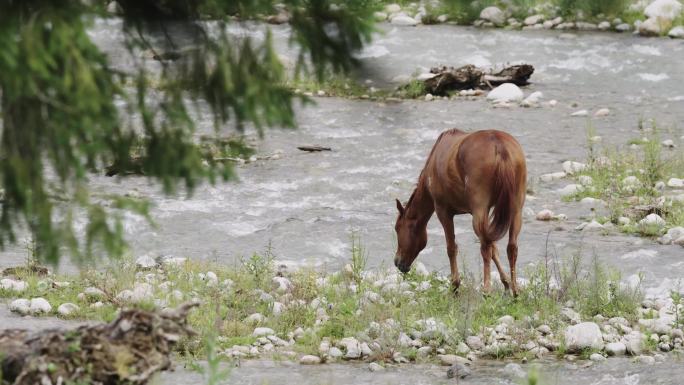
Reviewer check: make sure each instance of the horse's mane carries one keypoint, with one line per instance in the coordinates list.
(421, 177)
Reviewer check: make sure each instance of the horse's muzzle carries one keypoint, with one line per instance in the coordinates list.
(402, 267)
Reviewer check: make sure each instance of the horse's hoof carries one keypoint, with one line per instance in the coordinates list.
(455, 285)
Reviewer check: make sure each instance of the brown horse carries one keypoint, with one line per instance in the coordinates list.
(467, 173)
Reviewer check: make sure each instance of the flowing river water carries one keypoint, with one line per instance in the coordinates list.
(307, 206)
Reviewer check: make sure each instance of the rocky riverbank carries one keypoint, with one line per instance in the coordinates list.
(568, 310)
(657, 18)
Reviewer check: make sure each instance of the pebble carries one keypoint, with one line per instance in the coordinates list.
(375, 367)
(451, 359)
(580, 113)
(602, 112)
(67, 308)
(21, 306)
(596, 357)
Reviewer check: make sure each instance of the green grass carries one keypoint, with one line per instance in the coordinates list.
(350, 301)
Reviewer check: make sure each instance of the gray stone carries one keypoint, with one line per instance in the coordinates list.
(585, 335)
(21, 306)
(474, 342)
(40, 305)
(67, 309)
(623, 27)
(571, 316)
(310, 360)
(450, 359)
(676, 32)
(458, 370)
(596, 357)
(616, 349)
(375, 367)
(534, 19)
(494, 15)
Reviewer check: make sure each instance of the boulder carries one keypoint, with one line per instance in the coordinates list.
(616, 349)
(494, 15)
(21, 306)
(676, 32)
(404, 20)
(67, 309)
(665, 9)
(310, 360)
(585, 335)
(40, 305)
(534, 19)
(507, 92)
(651, 27)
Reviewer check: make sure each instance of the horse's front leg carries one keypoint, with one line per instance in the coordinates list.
(447, 221)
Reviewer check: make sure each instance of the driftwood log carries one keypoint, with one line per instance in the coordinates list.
(470, 77)
(129, 350)
(313, 148)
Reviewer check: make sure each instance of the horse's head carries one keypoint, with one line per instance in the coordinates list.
(411, 239)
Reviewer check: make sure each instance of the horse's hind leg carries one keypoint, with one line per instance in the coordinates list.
(485, 249)
(512, 249)
(447, 221)
(502, 273)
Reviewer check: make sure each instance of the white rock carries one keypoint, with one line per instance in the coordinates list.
(375, 367)
(335, 353)
(282, 284)
(255, 318)
(67, 308)
(494, 15)
(429, 97)
(623, 27)
(602, 112)
(665, 9)
(380, 16)
(474, 342)
(506, 92)
(604, 25)
(591, 226)
(545, 215)
(310, 360)
(352, 347)
(648, 360)
(652, 220)
(451, 359)
(676, 32)
(570, 315)
(404, 20)
(616, 349)
(675, 182)
(212, 279)
(40, 305)
(570, 189)
(552, 176)
(585, 335)
(596, 357)
(534, 19)
(94, 293)
(263, 332)
(145, 262)
(580, 113)
(13, 285)
(650, 27)
(553, 102)
(679, 241)
(669, 143)
(571, 167)
(21, 306)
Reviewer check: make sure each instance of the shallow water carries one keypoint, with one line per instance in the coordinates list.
(307, 206)
(617, 371)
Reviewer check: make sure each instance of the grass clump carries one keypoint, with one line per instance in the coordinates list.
(380, 307)
(632, 182)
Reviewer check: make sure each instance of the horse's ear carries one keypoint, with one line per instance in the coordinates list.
(400, 208)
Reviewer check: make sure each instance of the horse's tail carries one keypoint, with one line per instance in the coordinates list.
(505, 189)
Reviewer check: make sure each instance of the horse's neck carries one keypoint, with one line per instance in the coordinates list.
(422, 206)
